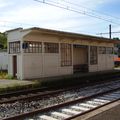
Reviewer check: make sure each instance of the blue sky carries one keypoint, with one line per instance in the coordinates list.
(29, 13)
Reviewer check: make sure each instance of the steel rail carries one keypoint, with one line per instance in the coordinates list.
(54, 107)
(34, 93)
(44, 88)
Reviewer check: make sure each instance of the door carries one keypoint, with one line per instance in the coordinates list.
(14, 66)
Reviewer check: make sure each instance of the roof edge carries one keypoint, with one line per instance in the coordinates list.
(20, 28)
(65, 33)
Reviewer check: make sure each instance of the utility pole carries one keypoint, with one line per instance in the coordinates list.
(110, 31)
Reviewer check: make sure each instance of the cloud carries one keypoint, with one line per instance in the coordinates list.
(32, 13)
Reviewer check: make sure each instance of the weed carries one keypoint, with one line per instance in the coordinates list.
(5, 75)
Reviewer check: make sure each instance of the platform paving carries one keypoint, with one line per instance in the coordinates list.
(81, 75)
(4, 84)
(108, 112)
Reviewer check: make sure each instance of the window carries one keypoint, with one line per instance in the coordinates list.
(32, 47)
(102, 50)
(105, 50)
(93, 55)
(51, 47)
(109, 50)
(66, 54)
(14, 47)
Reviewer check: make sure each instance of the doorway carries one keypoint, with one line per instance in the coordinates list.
(80, 58)
(14, 66)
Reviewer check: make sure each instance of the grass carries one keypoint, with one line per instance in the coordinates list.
(8, 83)
(5, 75)
(16, 85)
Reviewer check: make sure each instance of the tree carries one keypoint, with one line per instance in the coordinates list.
(3, 41)
(116, 38)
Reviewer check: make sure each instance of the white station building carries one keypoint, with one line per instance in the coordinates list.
(37, 53)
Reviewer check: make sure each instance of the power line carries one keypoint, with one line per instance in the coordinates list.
(69, 8)
(108, 33)
(63, 6)
(99, 12)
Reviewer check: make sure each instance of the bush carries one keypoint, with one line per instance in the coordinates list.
(5, 75)
(9, 76)
(2, 75)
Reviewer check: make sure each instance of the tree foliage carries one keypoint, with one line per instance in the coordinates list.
(3, 41)
(116, 38)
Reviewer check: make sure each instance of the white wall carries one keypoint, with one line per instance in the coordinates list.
(19, 66)
(105, 62)
(3, 61)
(37, 65)
(51, 64)
(32, 65)
(10, 65)
(14, 35)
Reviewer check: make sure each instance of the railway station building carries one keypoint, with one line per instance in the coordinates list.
(37, 53)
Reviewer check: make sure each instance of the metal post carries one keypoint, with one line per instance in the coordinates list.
(110, 31)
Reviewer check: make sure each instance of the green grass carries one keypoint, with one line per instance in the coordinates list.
(8, 83)
(16, 85)
(5, 75)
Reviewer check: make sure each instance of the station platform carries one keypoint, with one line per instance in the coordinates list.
(64, 80)
(79, 78)
(108, 112)
(6, 85)
(82, 74)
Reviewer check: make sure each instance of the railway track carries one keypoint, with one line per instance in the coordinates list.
(22, 93)
(16, 109)
(38, 92)
(29, 93)
(71, 109)
(32, 93)
(78, 108)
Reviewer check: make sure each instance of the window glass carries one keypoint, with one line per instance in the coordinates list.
(109, 50)
(14, 47)
(102, 50)
(51, 47)
(32, 47)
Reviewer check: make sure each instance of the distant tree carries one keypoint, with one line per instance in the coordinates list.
(3, 41)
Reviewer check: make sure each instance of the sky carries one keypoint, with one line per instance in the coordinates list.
(77, 19)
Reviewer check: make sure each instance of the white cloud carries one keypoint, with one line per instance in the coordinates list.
(38, 14)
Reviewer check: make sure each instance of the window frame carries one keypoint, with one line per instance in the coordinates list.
(102, 50)
(93, 55)
(50, 47)
(32, 47)
(109, 50)
(66, 54)
(14, 47)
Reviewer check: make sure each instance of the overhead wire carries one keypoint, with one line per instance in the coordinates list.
(66, 7)
(57, 4)
(88, 12)
(96, 11)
